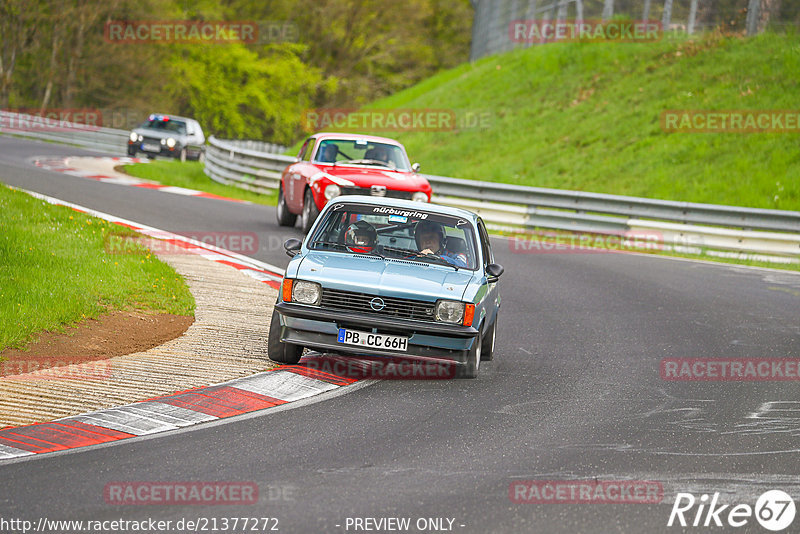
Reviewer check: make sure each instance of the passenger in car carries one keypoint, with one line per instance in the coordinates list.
(430, 239)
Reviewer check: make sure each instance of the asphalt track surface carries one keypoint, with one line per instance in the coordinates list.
(574, 393)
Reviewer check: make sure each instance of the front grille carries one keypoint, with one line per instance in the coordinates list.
(390, 193)
(400, 308)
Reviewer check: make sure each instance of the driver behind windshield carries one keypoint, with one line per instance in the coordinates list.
(431, 240)
(329, 152)
(378, 153)
(360, 237)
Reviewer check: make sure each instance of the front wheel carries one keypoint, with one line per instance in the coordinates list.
(470, 369)
(310, 212)
(285, 217)
(277, 350)
(182, 155)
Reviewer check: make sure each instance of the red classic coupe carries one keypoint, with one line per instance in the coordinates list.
(331, 164)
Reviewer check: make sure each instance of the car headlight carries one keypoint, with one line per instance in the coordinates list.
(306, 292)
(170, 142)
(141, 138)
(449, 311)
(134, 136)
(419, 196)
(163, 141)
(332, 190)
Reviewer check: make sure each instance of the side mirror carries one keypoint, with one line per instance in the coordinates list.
(415, 167)
(493, 272)
(292, 247)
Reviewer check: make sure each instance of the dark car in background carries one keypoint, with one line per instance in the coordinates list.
(168, 135)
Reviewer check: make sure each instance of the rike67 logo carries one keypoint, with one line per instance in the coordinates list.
(774, 510)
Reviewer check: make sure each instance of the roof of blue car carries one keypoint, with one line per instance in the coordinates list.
(405, 204)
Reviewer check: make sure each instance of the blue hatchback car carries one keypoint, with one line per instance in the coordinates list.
(392, 278)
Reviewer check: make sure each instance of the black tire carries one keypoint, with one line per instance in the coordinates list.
(277, 350)
(182, 155)
(487, 353)
(201, 156)
(131, 151)
(285, 217)
(310, 212)
(470, 369)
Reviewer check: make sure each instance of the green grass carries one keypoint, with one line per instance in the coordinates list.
(191, 176)
(585, 116)
(55, 270)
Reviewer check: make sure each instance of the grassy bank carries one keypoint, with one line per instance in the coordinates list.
(191, 176)
(55, 270)
(586, 116)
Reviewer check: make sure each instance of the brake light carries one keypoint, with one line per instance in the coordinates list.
(469, 314)
(286, 293)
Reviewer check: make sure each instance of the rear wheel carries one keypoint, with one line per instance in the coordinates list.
(488, 344)
(285, 217)
(310, 212)
(470, 369)
(279, 351)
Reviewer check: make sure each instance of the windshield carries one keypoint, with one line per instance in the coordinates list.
(165, 125)
(394, 233)
(361, 152)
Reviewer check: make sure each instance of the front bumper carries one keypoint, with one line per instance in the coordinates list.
(318, 328)
(164, 150)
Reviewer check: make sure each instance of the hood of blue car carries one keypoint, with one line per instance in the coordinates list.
(387, 278)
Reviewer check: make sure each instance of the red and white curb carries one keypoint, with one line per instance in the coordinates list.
(240, 396)
(272, 388)
(66, 165)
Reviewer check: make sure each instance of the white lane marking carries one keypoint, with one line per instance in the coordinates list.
(176, 415)
(283, 385)
(161, 234)
(12, 452)
(119, 180)
(124, 419)
(179, 190)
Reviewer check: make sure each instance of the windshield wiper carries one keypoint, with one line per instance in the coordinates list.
(347, 248)
(419, 256)
(438, 260)
(329, 243)
(365, 162)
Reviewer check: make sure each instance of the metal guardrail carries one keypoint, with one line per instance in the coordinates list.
(688, 226)
(257, 166)
(81, 135)
(235, 163)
